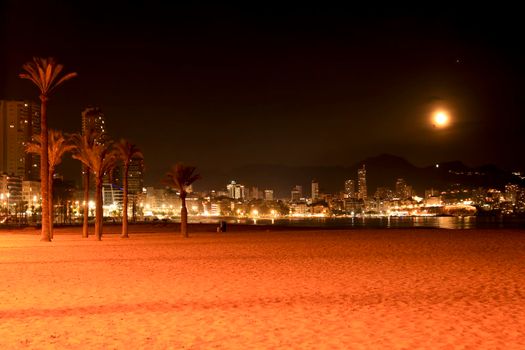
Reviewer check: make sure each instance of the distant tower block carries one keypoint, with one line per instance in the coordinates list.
(19, 123)
(268, 195)
(361, 183)
(315, 190)
(93, 119)
(297, 193)
(350, 188)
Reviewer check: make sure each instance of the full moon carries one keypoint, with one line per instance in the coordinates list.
(440, 119)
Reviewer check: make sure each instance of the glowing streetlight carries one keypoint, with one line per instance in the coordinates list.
(440, 119)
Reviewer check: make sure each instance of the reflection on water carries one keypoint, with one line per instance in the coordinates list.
(468, 222)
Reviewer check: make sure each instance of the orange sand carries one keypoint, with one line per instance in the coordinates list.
(250, 290)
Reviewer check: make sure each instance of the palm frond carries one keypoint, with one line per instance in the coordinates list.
(181, 176)
(128, 151)
(45, 74)
(58, 145)
(100, 158)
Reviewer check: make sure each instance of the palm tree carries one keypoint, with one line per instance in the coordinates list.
(58, 146)
(101, 159)
(181, 177)
(45, 74)
(127, 152)
(82, 143)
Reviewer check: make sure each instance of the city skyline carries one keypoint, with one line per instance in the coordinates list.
(353, 85)
(17, 117)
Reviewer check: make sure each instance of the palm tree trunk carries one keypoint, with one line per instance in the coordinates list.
(134, 208)
(183, 217)
(85, 227)
(51, 216)
(98, 211)
(125, 203)
(44, 170)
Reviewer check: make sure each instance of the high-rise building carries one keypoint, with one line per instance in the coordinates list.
(254, 193)
(383, 193)
(19, 123)
(401, 188)
(315, 190)
(136, 176)
(403, 191)
(93, 119)
(268, 195)
(410, 191)
(431, 193)
(361, 183)
(297, 193)
(235, 190)
(350, 189)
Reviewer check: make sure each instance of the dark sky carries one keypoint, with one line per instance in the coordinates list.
(222, 87)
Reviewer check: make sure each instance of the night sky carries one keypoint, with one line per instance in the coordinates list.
(225, 87)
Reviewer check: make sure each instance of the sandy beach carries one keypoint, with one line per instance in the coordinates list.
(356, 289)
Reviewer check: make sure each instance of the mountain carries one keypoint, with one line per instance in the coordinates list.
(382, 170)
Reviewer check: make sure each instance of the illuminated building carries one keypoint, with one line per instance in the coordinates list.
(361, 183)
(215, 209)
(11, 192)
(136, 176)
(299, 209)
(268, 195)
(383, 193)
(253, 193)
(112, 196)
(431, 193)
(315, 190)
(403, 191)
(31, 192)
(235, 190)
(353, 206)
(160, 200)
(520, 200)
(297, 193)
(349, 189)
(511, 193)
(19, 123)
(93, 119)
(433, 201)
